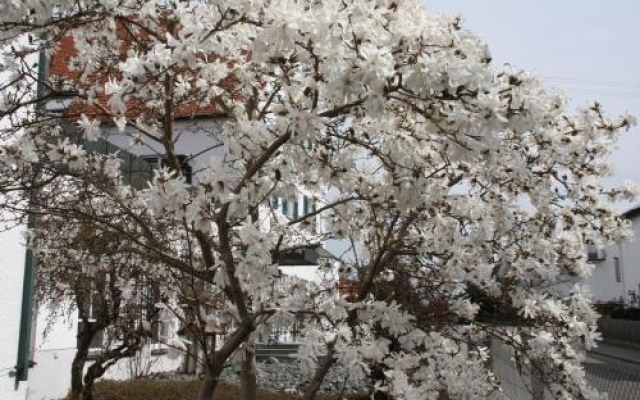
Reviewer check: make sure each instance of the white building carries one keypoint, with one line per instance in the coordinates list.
(616, 275)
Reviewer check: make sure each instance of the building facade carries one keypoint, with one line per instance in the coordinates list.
(616, 274)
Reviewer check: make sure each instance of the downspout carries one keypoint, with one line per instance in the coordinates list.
(24, 359)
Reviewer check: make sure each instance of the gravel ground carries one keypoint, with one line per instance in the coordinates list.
(279, 375)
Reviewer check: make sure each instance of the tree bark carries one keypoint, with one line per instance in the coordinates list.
(209, 384)
(318, 377)
(77, 367)
(215, 362)
(79, 360)
(95, 371)
(248, 371)
(207, 388)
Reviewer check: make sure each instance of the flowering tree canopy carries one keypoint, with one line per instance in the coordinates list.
(465, 179)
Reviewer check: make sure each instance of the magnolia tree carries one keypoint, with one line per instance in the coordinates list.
(465, 180)
(113, 290)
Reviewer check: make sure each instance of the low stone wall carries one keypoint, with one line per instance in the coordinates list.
(281, 375)
(622, 332)
(286, 375)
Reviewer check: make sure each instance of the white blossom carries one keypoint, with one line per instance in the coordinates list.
(464, 189)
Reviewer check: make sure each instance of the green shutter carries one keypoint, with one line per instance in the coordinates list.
(26, 314)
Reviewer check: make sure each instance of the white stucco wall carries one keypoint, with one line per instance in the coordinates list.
(12, 258)
(603, 281)
(51, 378)
(631, 259)
(306, 272)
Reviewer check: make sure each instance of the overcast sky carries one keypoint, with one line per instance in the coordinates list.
(589, 48)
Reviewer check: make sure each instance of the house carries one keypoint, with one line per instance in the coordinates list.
(45, 350)
(616, 276)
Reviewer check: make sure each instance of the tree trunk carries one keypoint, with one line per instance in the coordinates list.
(87, 393)
(77, 367)
(248, 368)
(208, 386)
(79, 360)
(319, 376)
(95, 371)
(248, 371)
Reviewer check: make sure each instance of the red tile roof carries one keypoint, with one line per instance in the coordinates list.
(59, 70)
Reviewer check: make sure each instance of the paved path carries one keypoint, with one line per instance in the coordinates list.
(617, 378)
(611, 369)
(625, 354)
(615, 370)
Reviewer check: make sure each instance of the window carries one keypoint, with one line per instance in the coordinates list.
(295, 210)
(618, 270)
(160, 331)
(91, 309)
(158, 162)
